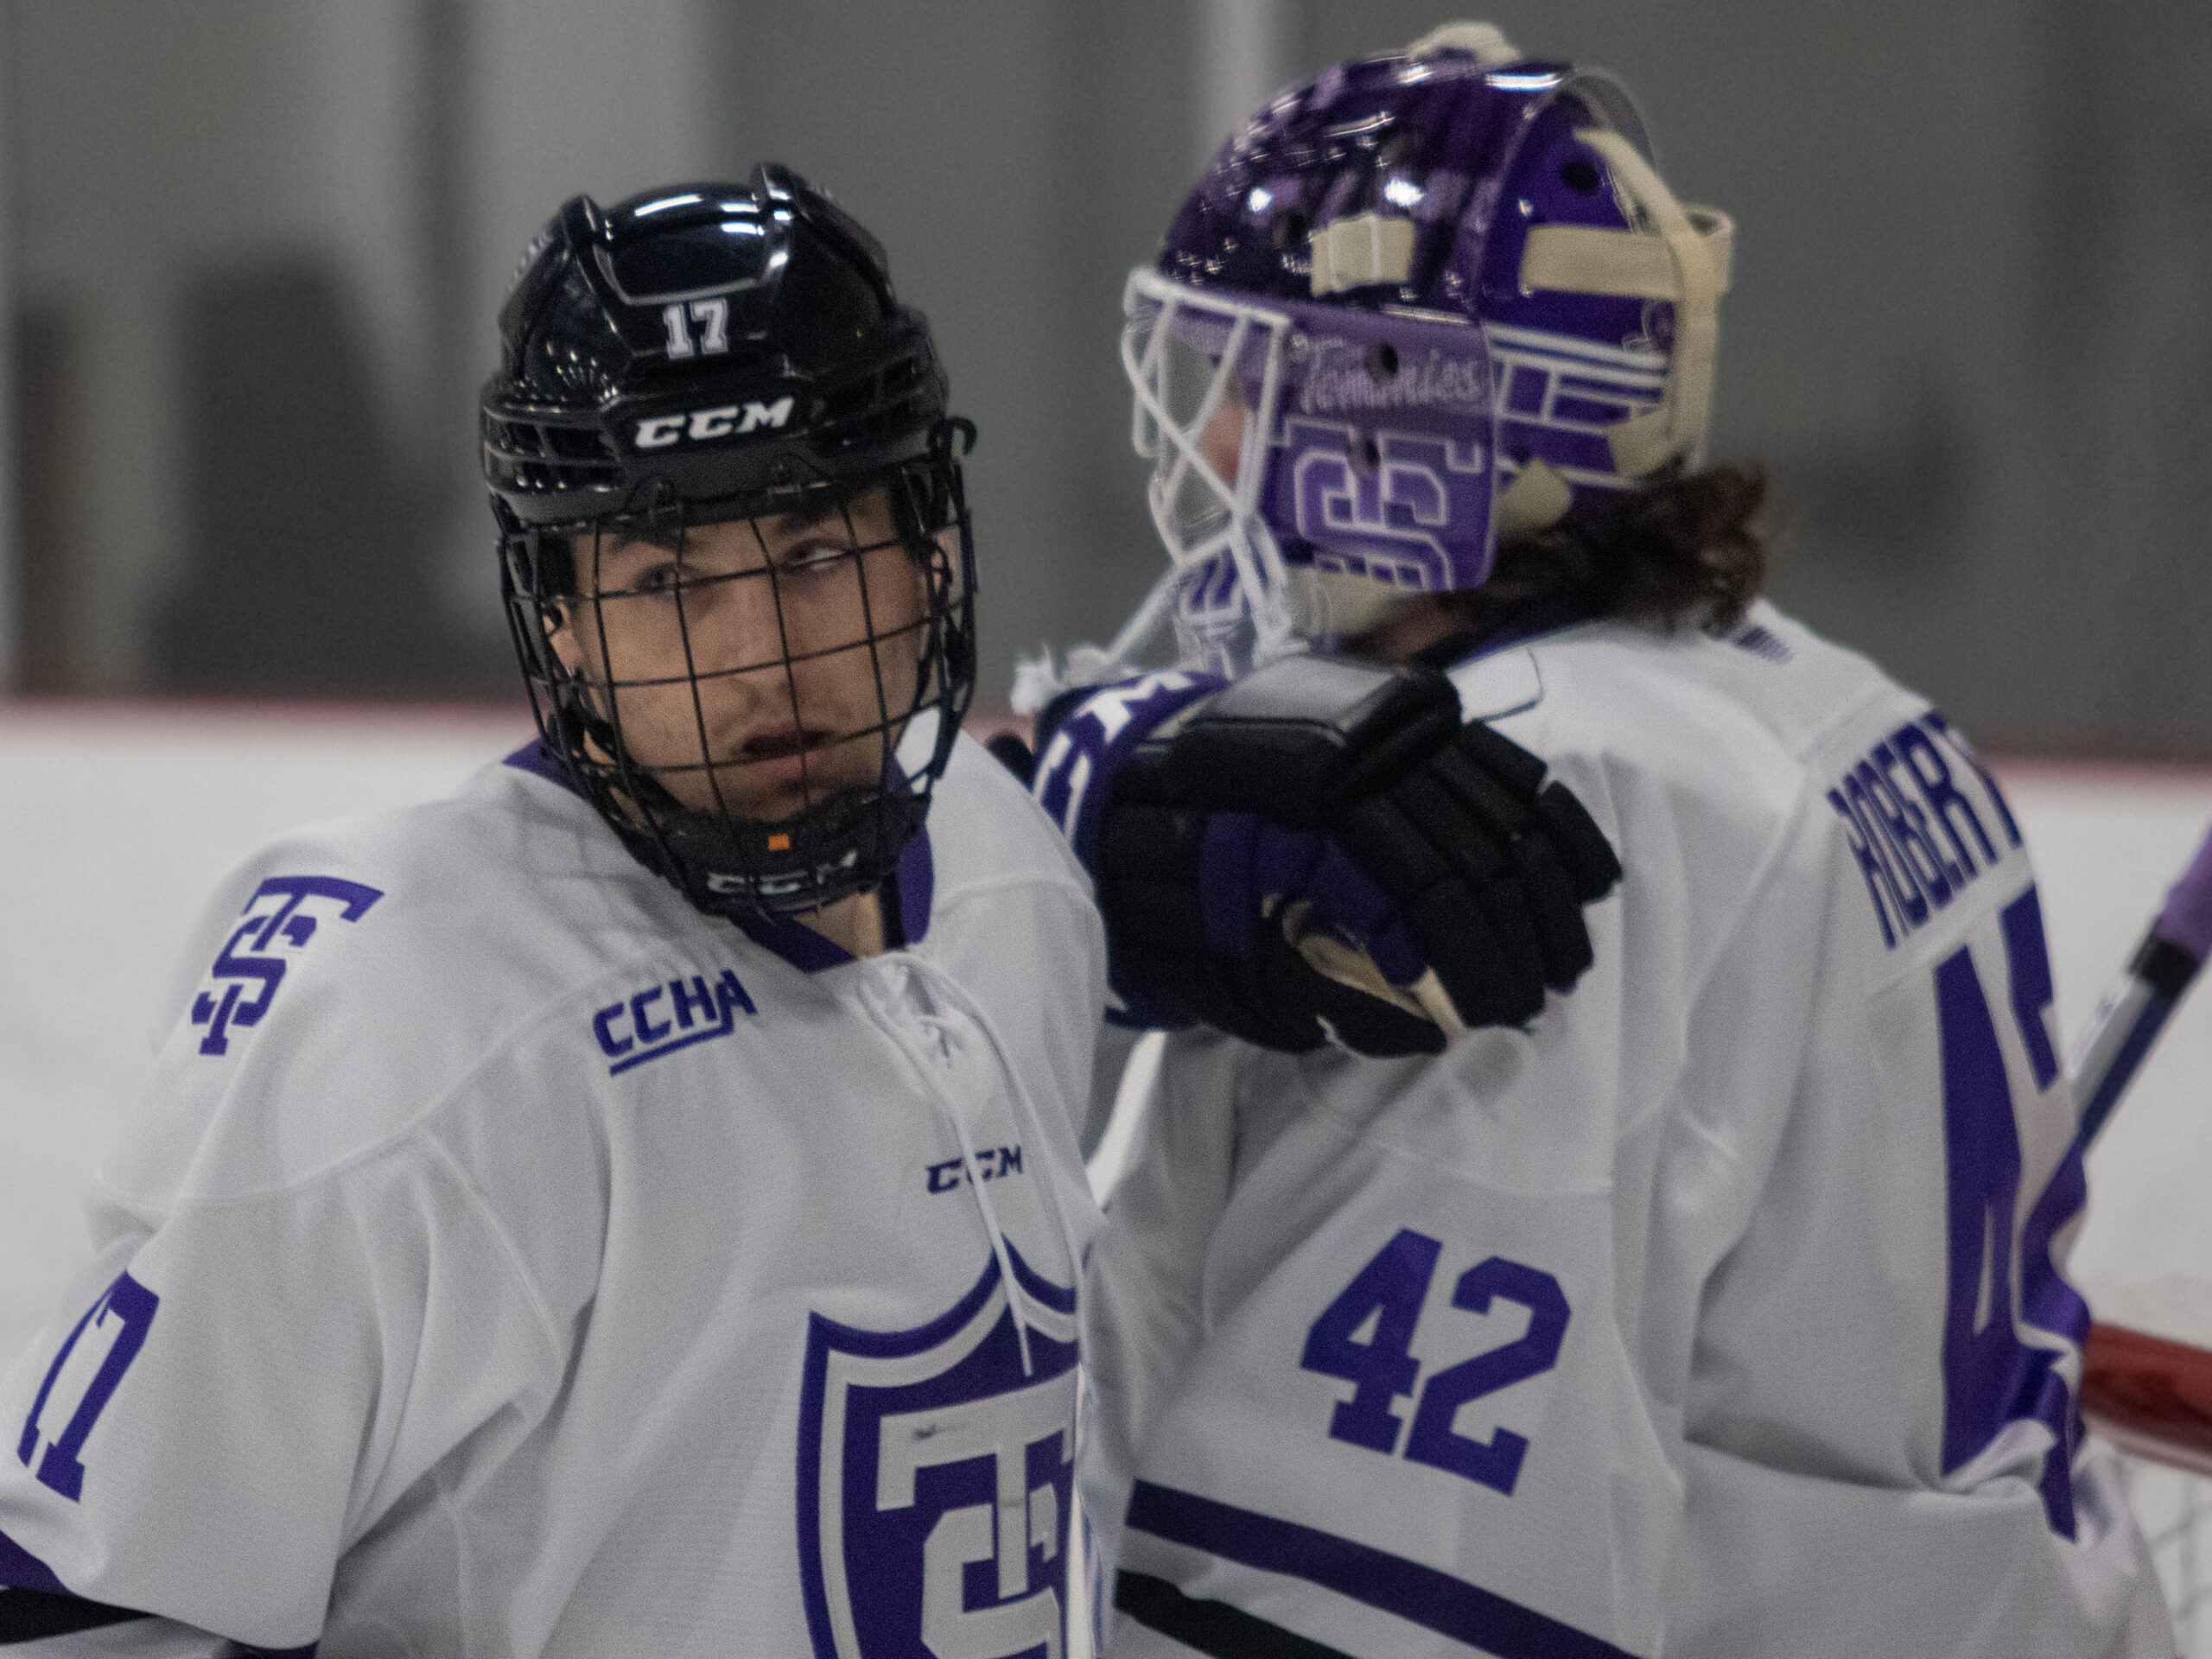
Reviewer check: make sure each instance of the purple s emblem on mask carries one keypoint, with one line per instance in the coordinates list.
(1392, 507)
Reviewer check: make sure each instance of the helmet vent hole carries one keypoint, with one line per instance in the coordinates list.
(1366, 460)
(1580, 176)
(1392, 151)
(1289, 230)
(1382, 362)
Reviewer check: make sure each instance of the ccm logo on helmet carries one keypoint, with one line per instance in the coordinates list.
(723, 422)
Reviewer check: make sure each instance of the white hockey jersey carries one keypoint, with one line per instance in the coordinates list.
(1719, 1313)
(507, 1260)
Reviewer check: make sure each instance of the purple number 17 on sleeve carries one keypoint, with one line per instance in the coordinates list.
(126, 1307)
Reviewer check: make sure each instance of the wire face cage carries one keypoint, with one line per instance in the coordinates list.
(731, 682)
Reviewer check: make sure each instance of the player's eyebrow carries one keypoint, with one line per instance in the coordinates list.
(806, 517)
(800, 522)
(667, 539)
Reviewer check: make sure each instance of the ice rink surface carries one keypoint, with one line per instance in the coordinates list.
(115, 823)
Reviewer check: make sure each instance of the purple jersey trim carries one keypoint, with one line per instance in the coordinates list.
(1420, 1595)
(795, 942)
(913, 887)
(1060, 1299)
(540, 762)
(21, 1570)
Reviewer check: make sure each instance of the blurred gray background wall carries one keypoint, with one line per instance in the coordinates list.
(249, 252)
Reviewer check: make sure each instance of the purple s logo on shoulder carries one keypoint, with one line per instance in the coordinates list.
(277, 923)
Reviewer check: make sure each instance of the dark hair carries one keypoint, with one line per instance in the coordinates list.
(1689, 550)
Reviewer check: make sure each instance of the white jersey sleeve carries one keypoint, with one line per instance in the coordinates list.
(288, 1318)
(1717, 1313)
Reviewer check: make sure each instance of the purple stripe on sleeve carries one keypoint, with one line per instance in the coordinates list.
(21, 1570)
(1420, 1595)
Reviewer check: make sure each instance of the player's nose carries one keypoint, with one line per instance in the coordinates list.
(733, 619)
(738, 624)
(1222, 441)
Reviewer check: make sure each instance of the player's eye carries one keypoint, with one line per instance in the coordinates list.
(662, 577)
(816, 555)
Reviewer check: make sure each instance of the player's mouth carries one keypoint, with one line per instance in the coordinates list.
(785, 753)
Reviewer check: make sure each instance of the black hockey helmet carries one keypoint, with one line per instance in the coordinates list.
(701, 355)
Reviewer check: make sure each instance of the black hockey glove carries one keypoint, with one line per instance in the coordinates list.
(1322, 847)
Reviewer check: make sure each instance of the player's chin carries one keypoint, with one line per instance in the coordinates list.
(776, 790)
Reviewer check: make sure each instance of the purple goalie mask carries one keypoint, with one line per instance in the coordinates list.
(1420, 304)
(1294, 435)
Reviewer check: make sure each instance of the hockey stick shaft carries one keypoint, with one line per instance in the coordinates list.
(2139, 1002)
(2148, 1396)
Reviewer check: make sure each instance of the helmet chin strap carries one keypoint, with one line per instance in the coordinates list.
(1333, 604)
(1537, 499)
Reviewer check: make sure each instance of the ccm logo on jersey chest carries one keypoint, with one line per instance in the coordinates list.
(992, 1164)
(663, 1017)
(702, 425)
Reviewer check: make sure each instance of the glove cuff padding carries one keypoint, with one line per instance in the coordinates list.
(1301, 739)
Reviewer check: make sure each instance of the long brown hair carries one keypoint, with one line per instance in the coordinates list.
(1681, 551)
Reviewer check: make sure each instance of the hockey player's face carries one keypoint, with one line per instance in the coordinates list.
(1221, 441)
(754, 667)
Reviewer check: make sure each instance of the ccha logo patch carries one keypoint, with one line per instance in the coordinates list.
(665, 1018)
(935, 1480)
(262, 946)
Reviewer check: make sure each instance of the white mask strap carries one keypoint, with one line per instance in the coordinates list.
(1685, 259)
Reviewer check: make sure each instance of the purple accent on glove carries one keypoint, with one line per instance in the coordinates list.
(2187, 918)
(1243, 860)
(1076, 762)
